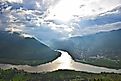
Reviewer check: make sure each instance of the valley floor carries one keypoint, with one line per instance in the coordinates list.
(102, 62)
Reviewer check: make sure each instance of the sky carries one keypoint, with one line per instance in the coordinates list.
(60, 19)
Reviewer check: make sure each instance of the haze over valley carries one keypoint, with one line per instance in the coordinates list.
(48, 35)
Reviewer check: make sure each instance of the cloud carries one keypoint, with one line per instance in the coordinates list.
(16, 1)
(94, 7)
(97, 29)
(34, 23)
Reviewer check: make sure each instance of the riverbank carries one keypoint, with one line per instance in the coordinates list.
(63, 62)
(100, 62)
(28, 62)
(59, 75)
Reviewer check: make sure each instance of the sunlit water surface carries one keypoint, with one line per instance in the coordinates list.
(63, 62)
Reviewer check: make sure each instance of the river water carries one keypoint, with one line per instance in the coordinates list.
(63, 62)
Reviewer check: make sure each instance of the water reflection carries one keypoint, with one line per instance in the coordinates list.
(63, 62)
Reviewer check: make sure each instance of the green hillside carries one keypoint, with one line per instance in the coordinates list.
(16, 49)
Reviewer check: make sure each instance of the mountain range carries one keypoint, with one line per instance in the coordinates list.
(95, 47)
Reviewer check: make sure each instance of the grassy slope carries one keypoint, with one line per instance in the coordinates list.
(19, 50)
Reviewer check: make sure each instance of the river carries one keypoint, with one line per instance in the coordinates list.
(63, 62)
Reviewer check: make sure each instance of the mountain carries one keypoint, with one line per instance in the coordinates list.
(17, 49)
(100, 46)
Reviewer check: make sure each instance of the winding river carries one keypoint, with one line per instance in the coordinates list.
(63, 62)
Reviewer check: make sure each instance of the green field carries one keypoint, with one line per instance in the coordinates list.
(102, 62)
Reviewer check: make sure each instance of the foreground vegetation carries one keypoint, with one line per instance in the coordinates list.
(60, 75)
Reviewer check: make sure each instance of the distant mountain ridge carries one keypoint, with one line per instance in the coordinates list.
(92, 44)
(95, 48)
